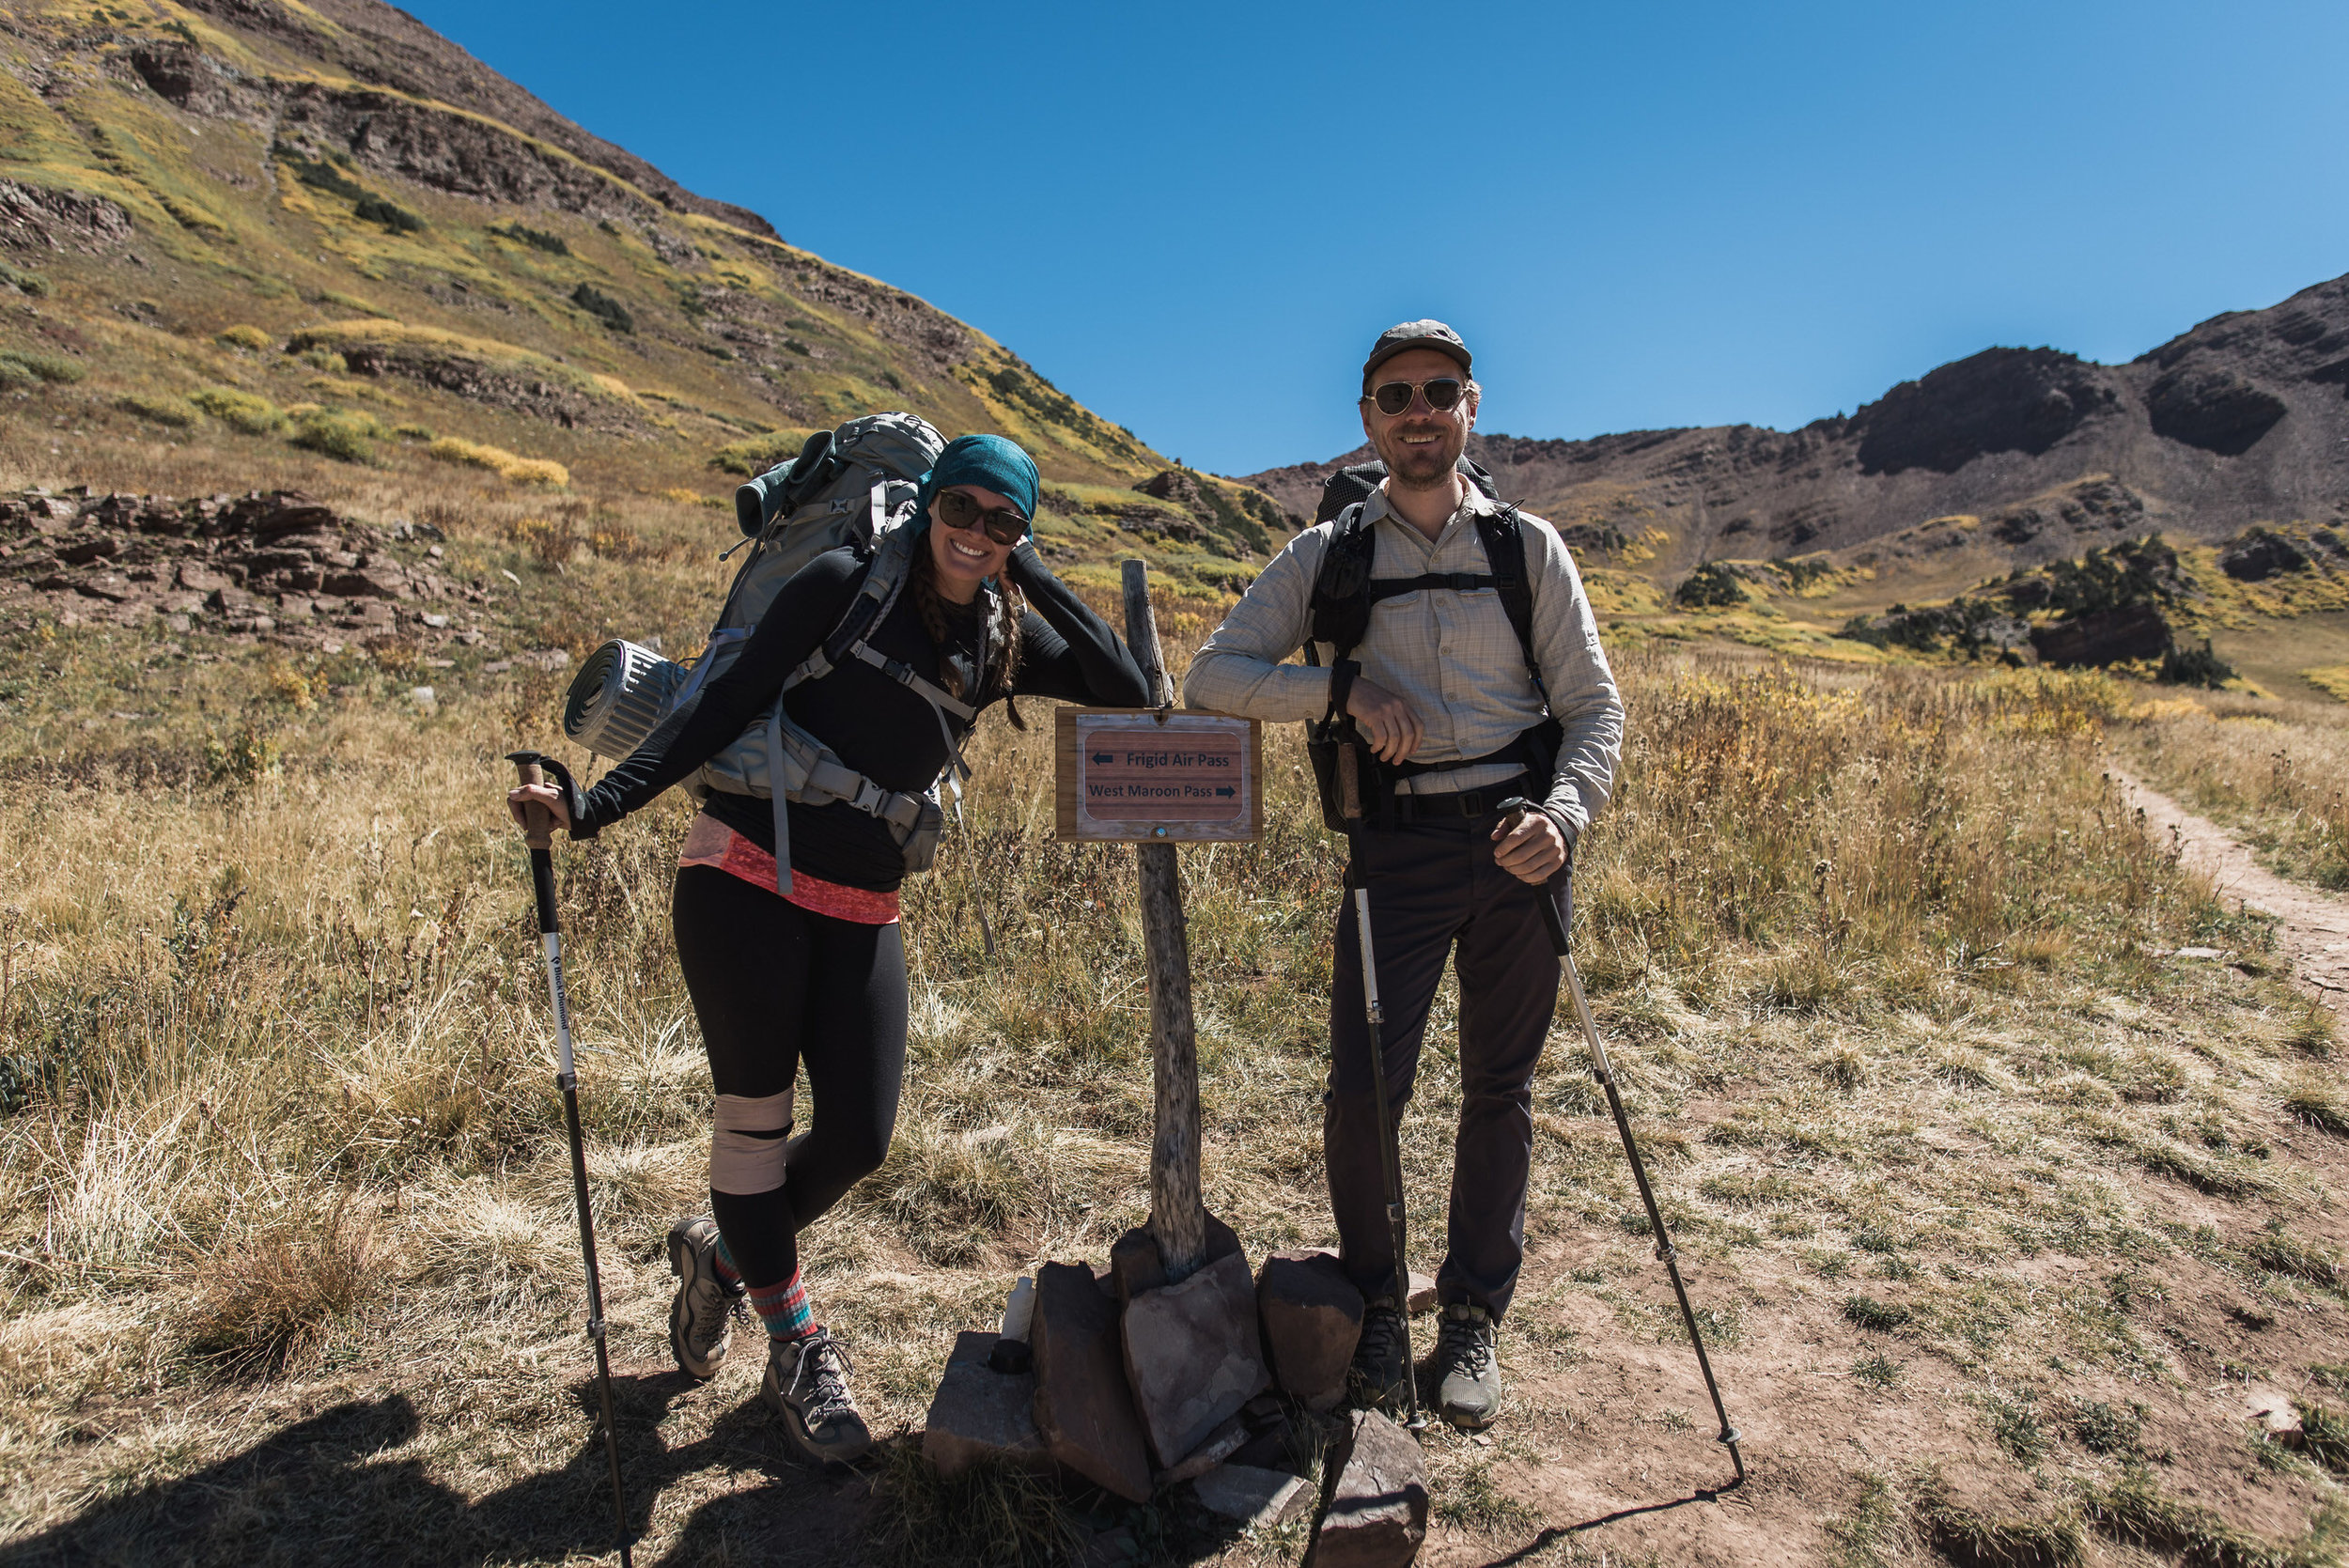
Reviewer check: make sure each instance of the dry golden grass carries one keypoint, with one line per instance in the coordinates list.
(284, 1193)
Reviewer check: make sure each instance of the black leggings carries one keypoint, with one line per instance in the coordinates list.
(775, 986)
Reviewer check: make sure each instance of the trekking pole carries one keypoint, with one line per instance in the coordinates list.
(1513, 813)
(538, 832)
(1390, 1140)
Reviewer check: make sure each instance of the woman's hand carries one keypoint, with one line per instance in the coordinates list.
(1025, 565)
(544, 795)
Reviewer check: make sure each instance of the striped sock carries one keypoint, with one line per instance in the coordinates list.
(784, 1308)
(725, 1260)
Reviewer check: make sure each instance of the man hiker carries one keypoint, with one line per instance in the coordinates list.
(1462, 709)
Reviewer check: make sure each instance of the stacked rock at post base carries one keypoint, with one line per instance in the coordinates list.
(1253, 1497)
(1135, 1265)
(1312, 1318)
(1193, 1355)
(1083, 1409)
(1377, 1513)
(979, 1414)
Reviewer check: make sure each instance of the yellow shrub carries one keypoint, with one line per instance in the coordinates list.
(538, 471)
(162, 410)
(505, 464)
(244, 337)
(248, 412)
(456, 449)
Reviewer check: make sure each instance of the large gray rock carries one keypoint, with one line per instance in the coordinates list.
(1082, 1407)
(1252, 1497)
(1313, 1315)
(979, 1414)
(1193, 1355)
(1378, 1513)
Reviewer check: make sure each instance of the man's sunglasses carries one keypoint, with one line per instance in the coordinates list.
(1442, 394)
(960, 509)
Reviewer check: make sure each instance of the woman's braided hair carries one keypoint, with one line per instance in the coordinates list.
(1001, 637)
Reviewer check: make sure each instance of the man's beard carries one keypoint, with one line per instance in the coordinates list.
(1425, 467)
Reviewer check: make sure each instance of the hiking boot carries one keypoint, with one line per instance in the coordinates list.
(1382, 1360)
(701, 1319)
(807, 1386)
(1465, 1344)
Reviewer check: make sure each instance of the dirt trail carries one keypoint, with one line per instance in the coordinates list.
(2315, 932)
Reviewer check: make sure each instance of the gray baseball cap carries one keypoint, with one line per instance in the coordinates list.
(1416, 334)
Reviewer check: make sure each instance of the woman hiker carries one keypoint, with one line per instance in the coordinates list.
(819, 976)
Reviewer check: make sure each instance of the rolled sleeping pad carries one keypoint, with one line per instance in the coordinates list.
(621, 693)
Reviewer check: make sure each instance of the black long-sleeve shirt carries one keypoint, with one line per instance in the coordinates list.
(874, 724)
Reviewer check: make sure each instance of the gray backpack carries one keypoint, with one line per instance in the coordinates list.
(854, 485)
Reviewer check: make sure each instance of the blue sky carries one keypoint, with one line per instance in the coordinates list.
(1195, 219)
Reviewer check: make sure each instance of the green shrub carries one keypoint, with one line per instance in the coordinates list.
(603, 306)
(23, 282)
(757, 454)
(412, 432)
(244, 337)
(341, 436)
(1711, 586)
(162, 410)
(245, 411)
(375, 210)
(2195, 667)
(28, 365)
(536, 239)
(320, 175)
(326, 359)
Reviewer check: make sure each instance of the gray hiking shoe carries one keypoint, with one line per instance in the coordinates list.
(701, 1319)
(807, 1386)
(1382, 1360)
(1467, 1359)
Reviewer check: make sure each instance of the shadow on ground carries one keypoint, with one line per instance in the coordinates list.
(334, 1489)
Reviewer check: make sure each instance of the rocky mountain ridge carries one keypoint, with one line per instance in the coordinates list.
(2242, 420)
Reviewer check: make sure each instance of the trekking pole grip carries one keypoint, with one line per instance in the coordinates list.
(1513, 813)
(538, 822)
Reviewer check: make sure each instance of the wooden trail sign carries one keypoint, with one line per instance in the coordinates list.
(1158, 778)
(1147, 776)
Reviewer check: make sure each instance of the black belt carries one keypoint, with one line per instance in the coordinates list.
(1462, 803)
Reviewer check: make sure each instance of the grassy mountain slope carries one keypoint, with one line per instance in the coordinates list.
(333, 211)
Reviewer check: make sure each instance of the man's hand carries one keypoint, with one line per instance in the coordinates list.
(1534, 850)
(1385, 720)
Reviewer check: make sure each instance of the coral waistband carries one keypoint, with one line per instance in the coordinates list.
(711, 842)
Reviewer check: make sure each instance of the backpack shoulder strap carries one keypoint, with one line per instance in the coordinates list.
(1341, 601)
(1504, 536)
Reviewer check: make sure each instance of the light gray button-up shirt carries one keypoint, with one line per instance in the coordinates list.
(1452, 656)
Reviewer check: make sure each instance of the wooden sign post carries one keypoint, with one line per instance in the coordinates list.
(1155, 778)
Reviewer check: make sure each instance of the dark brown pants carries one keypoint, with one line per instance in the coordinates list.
(1434, 888)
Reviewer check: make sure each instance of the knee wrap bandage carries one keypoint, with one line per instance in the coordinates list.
(746, 1144)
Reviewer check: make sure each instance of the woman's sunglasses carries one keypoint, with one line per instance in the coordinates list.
(1442, 394)
(960, 509)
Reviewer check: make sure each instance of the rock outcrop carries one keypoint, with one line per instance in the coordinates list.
(274, 564)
